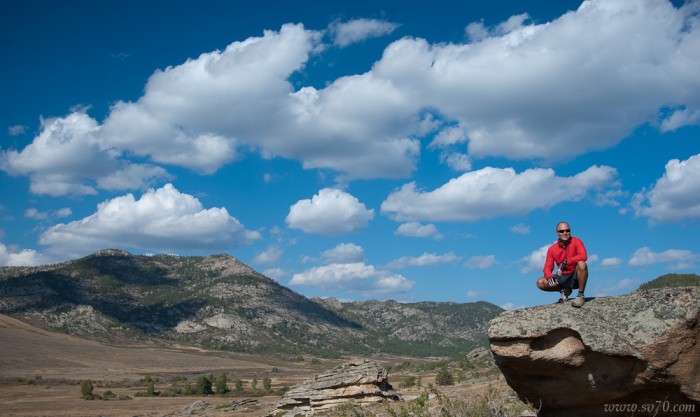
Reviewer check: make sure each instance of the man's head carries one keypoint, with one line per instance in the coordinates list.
(563, 231)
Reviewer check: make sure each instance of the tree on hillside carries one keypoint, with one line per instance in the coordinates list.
(86, 390)
(444, 377)
(204, 386)
(220, 385)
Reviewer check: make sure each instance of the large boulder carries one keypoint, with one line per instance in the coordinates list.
(614, 356)
(362, 381)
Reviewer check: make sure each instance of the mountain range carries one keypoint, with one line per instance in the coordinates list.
(219, 302)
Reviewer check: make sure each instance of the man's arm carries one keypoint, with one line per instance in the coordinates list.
(580, 253)
(549, 264)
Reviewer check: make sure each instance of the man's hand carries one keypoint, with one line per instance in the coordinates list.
(551, 281)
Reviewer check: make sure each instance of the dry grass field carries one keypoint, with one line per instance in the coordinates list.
(41, 373)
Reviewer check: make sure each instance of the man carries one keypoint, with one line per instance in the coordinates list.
(569, 253)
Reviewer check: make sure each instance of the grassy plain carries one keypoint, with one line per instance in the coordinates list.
(41, 373)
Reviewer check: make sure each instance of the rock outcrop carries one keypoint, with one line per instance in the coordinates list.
(361, 382)
(613, 355)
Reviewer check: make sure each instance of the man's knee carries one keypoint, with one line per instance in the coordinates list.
(582, 266)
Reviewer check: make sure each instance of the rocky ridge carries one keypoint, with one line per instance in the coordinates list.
(219, 302)
(641, 349)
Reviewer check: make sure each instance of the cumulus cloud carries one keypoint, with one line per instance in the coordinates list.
(162, 219)
(21, 257)
(33, 213)
(680, 118)
(493, 192)
(535, 260)
(611, 262)
(16, 130)
(675, 196)
(357, 278)
(535, 93)
(416, 229)
(517, 90)
(269, 256)
(618, 287)
(344, 253)
(70, 157)
(330, 212)
(360, 29)
(676, 259)
(426, 259)
(481, 262)
(521, 229)
(276, 273)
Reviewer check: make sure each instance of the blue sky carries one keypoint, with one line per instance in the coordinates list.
(360, 150)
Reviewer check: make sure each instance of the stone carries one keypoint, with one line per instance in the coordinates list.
(636, 350)
(361, 382)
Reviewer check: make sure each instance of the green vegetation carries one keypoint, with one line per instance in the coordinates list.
(86, 389)
(115, 296)
(444, 377)
(672, 280)
(220, 385)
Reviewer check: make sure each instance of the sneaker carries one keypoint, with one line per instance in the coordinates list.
(564, 296)
(578, 302)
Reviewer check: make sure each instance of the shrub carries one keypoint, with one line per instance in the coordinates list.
(444, 377)
(408, 382)
(220, 385)
(86, 390)
(204, 386)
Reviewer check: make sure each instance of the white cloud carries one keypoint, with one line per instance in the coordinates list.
(23, 257)
(493, 192)
(611, 262)
(330, 212)
(426, 259)
(675, 196)
(535, 260)
(519, 91)
(69, 157)
(623, 286)
(680, 118)
(415, 229)
(360, 29)
(163, 219)
(269, 256)
(473, 294)
(344, 253)
(521, 229)
(16, 130)
(511, 306)
(133, 176)
(533, 91)
(481, 262)
(356, 277)
(276, 273)
(676, 258)
(33, 213)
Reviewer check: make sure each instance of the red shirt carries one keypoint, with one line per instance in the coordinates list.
(573, 251)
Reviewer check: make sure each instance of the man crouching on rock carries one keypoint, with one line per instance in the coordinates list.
(569, 253)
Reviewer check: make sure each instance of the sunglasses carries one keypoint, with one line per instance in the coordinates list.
(564, 231)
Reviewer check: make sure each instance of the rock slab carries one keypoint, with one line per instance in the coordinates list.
(635, 350)
(362, 381)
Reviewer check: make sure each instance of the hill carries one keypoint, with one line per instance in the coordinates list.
(218, 302)
(672, 280)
